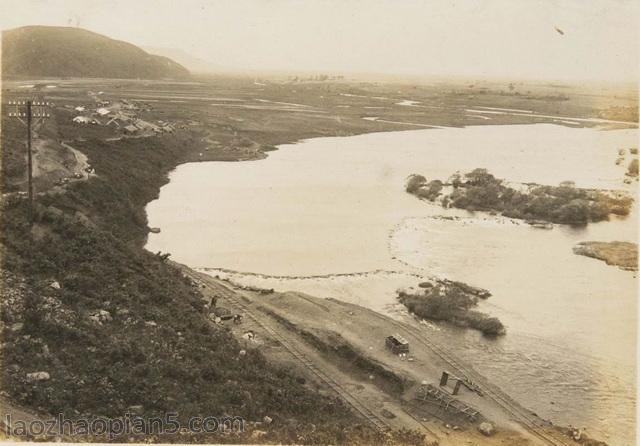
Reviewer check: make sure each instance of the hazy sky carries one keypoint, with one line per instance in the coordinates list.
(506, 38)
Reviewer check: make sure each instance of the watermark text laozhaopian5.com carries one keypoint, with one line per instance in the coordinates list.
(130, 424)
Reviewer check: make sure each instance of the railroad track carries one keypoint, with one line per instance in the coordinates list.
(378, 422)
(519, 414)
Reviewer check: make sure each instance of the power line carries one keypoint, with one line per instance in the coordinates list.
(34, 112)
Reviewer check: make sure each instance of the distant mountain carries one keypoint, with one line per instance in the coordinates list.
(191, 63)
(52, 51)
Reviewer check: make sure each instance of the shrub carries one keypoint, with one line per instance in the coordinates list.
(414, 183)
(430, 191)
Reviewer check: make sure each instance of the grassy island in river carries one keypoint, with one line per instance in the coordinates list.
(479, 190)
(450, 301)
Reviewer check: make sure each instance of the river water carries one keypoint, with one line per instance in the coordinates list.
(329, 216)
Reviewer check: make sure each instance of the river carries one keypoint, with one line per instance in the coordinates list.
(329, 216)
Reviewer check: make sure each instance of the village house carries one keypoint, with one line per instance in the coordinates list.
(130, 129)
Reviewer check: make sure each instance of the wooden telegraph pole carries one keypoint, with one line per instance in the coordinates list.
(30, 109)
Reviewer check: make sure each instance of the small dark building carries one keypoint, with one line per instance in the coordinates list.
(397, 344)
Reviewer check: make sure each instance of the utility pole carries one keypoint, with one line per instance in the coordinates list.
(29, 161)
(30, 109)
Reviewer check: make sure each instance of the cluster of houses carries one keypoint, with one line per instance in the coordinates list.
(120, 115)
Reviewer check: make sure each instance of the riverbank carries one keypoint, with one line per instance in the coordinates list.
(131, 314)
(346, 342)
(116, 313)
(330, 219)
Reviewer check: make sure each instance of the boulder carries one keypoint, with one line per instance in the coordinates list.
(38, 376)
(487, 429)
(267, 420)
(55, 285)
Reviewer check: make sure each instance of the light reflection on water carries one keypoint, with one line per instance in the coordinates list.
(337, 205)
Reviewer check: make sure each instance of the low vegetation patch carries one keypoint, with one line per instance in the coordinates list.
(621, 254)
(452, 302)
(481, 191)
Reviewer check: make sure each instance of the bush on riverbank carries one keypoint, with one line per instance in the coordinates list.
(479, 190)
(450, 302)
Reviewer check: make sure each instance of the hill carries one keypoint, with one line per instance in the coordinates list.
(51, 51)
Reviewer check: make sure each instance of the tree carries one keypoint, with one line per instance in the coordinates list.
(431, 190)
(414, 183)
(480, 177)
(574, 212)
(456, 180)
